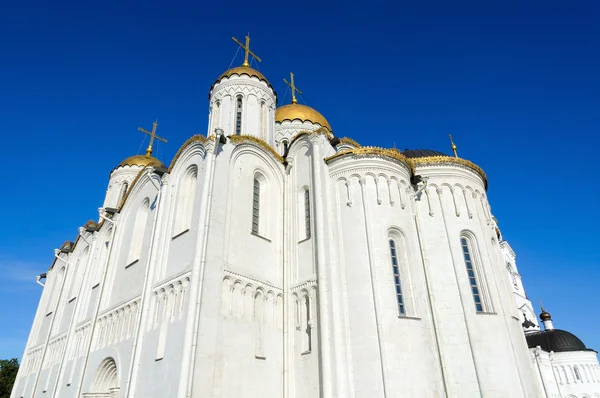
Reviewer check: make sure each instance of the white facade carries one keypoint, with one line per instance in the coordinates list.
(239, 273)
(567, 372)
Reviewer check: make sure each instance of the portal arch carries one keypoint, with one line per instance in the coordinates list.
(106, 381)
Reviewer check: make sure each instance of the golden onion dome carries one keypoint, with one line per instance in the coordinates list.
(243, 70)
(141, 160)
(300, 112)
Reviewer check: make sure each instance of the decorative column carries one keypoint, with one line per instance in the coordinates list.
(382, 359)
(325, 343)
(146, 295)
(190, 341)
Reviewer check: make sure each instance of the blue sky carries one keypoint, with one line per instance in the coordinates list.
(519, 88)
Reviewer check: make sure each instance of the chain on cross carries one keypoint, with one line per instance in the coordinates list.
(247, 51)
(152, 135)
(293, 87)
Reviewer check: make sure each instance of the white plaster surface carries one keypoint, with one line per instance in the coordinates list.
(214, 310)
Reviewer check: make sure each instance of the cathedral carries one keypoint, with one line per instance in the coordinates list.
(272, 258)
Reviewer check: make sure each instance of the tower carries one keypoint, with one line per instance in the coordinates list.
(242, 101)
(122, 176)
(294, 118)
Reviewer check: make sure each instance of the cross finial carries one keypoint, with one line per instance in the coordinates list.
(453, 146)
(152, 137)
(293, 87)
(246, 51)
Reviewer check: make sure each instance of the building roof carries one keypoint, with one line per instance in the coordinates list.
(141, 160)
(421, 153)
(556, 340)
(242, 70)
(300, 112)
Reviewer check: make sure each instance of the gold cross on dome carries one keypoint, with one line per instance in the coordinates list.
(152, 137)
(453, 146)
(246, 51)
(293, 87)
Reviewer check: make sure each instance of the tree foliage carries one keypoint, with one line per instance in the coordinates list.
(8, 374)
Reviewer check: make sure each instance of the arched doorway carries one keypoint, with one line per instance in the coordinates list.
(106, 381)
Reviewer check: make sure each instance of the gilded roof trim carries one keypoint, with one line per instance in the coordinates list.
(320, 130)
(238, 139)
(195, 138)
(371, 150)
(297, 136)
(91, 224)
(147, 161)
(67, 247)
(346, 140)
(437, 160)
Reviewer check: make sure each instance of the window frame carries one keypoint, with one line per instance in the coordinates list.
(399, 291)
(122, 192)
(138, 231)
(285, 145)
(184, 200)
(256, 206)
(239, 109)
(475, 274)
(307, 219)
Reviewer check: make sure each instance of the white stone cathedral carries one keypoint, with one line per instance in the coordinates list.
(273, 259)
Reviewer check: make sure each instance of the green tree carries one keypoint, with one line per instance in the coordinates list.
(8, 374)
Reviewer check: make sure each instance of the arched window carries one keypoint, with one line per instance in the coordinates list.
(263, 120)
(307, 213)
(396, 273)
(284, 147)
(238, 115)
(56, 285)
(259, 307)
(256, 206)
(138, 232)
(79, 273)
(216, 116)
(305, 326)
(122, 193)
(577, 374)
(472, 273)
(184, 204)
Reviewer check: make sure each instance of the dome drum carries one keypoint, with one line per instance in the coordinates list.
(427, 157)
(241, 71)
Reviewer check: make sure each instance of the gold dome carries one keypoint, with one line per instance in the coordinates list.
(141, 160)
(242, 70)
(301, 112)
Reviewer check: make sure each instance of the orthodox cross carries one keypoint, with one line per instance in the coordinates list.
(293, 87)
(453, 147)
(247, 51)
(152, 137)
